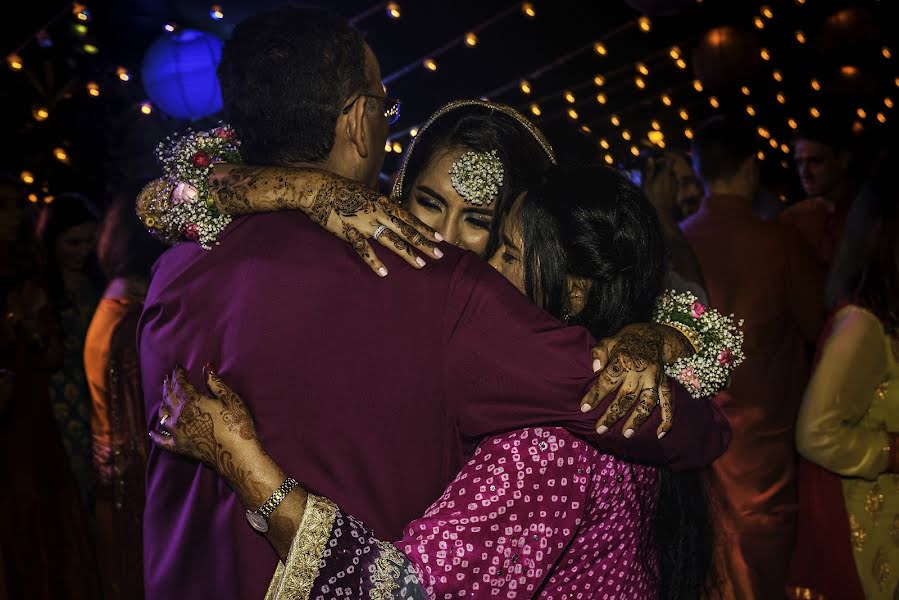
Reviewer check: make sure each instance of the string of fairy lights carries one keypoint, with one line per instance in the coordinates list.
(602, 87)
(79, 18)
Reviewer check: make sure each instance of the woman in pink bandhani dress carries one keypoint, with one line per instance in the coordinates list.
(536, 512)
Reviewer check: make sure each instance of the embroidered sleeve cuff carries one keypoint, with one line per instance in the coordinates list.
(336, 555)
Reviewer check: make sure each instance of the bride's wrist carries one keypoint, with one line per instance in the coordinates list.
(677, 343)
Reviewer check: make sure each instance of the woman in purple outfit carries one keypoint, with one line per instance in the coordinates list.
(536, 512)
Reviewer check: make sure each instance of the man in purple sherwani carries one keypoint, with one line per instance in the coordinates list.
(367, 390)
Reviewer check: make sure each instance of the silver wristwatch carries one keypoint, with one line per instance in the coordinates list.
(258, 519)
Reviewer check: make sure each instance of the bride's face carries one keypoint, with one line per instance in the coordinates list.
(433, 199)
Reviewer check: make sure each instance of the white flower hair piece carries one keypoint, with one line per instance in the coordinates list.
(477, 176)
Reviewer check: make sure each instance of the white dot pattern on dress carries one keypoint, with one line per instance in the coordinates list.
(537, 513)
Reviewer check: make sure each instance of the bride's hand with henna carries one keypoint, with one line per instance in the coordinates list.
(347, 209)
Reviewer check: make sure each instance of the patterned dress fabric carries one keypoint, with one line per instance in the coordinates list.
(536, 513)
(69, 394)
(851, 403)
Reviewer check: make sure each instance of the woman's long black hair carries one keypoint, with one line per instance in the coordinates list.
(592, 222)
(67, 211)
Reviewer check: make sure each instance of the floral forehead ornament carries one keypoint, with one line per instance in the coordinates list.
(477, 176)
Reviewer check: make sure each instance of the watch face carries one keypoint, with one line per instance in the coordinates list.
(257, 521)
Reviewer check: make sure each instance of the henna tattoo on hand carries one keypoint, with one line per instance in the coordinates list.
(344, 198)
(664, 396)
(357, 241)
(646, 406)
(243, 189)
(236, 415)
(675, 345)
(195, 437)
(639, 347)
(400, 244)
(619, 408)
(198, 428)
(410, 232)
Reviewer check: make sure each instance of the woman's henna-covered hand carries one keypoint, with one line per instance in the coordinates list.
(219, 430)
(346, 208)
(633, 362)
(216, 430)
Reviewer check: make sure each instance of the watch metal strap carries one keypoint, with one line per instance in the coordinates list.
(279, 494)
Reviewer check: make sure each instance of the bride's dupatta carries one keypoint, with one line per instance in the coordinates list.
(823, 567)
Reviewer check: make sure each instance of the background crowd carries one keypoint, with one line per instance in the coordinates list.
(805, 500)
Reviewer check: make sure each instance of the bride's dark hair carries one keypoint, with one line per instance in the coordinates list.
(592, 222)
(483, 127)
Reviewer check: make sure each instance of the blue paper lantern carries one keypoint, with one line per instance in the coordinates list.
(179, 74)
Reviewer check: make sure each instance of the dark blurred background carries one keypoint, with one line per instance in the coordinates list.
(78, 117)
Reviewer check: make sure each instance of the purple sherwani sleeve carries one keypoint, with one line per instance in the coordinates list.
(515, 366)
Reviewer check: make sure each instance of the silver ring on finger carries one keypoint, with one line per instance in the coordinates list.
(380, 231)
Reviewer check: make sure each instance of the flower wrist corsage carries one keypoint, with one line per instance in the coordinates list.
(173, 214)
(717, 339)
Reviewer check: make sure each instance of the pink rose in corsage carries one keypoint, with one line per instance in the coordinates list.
(726, 358)
(202, 159)
(689, 379)
(697, 309)
(184, 192)
(191, 231)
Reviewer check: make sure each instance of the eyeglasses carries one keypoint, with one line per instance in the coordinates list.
(391, 107)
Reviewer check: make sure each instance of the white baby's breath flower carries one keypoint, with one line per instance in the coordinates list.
(187, 162)
(719, 341)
